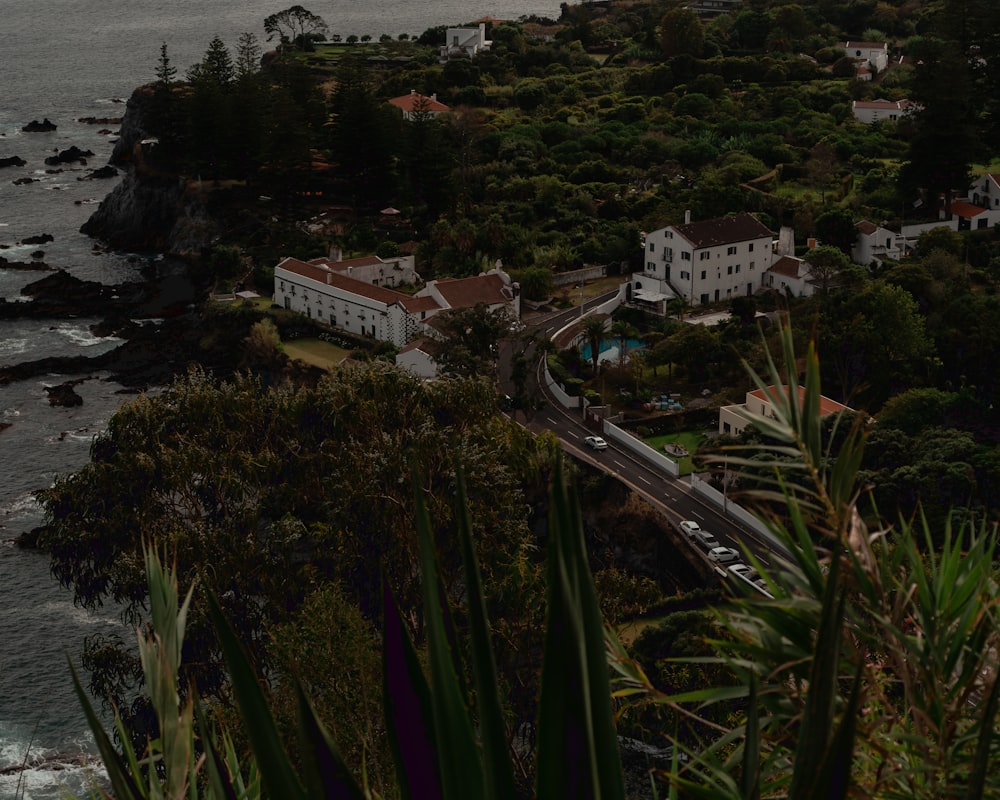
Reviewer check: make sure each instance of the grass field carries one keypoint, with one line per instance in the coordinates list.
(316, 352)
(689, 440)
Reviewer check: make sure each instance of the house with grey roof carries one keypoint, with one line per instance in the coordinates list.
(704, 262)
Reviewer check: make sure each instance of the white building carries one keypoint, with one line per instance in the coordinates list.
(788, 274)
(465, 42)
(760, 403)
(986, 191)
(871, 56)
(875, 243)
(355, 295)
(870, 111)
(704, 262)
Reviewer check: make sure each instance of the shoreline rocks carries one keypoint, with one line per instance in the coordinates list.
(12, 161)
(45, 126)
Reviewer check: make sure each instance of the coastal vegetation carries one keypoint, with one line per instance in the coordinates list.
(289, 497)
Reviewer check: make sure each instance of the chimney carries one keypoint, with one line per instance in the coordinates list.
(687, 217)
(434, 96)
(413, 91)
(336, 254)
(329, 277)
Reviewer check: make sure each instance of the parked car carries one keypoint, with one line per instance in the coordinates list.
(596, 443)
(744, 571)
(704, 540)
(723, 555)
(689, 526)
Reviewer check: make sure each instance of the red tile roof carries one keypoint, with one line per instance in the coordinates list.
(788, 266)
(415, 101)
(966, 210)
(469, 292)
(379, 294)
(724, 230)
(866, 227)
(826, 405)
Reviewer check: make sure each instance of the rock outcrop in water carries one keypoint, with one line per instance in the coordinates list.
(148, 210)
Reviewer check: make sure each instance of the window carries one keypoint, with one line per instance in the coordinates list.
(670, 234)
(703, 274)
(652, 247)
(737, 269)
(731, 251)
(651, 266)
(729, 270)
(704, 255)
(685, 276)
(319, 312)
(685, 256)
(751, 247)
(282, 286)
(751, 266)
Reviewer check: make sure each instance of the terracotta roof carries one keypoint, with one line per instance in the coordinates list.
(966, 210)
(343, 265)
(884, 105)
(417, 102)
(469, 292)
(866, 227)
(788, 266)
(329, 277)
(826, 405)
(430, 346)
(724, 230)
(421, 303)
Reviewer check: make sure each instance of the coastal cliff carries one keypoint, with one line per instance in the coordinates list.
(148, 210)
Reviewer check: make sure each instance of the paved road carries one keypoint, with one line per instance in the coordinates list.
(672, 496)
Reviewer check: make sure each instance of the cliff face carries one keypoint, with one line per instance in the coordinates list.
(147, 210)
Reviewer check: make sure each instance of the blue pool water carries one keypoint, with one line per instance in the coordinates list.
(609, 345)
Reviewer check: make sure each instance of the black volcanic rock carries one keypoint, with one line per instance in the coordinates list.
(25, 180)
(107, 171)
(64, 394)
(39, 127)
(74, 155)
(42, 238)
(12, 161)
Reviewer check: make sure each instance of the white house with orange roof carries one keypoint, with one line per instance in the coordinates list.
(357, 295)
(734, 419)
(791, 275)
(870, 111)
(875, 243)
(415, 105)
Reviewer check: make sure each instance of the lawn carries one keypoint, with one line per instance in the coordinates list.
(689, 440)
(316, 352)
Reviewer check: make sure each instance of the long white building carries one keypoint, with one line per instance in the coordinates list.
(358, 295)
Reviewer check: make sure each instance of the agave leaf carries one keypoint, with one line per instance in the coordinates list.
(276, 769)
(219, 780)
(326, 773)
(458, 753)
(575, 721)
(123, 781)
(499, 773)
(409, 716)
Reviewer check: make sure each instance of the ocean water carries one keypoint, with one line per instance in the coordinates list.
(66, 60)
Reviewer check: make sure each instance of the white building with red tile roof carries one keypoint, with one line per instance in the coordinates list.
(415, 105)
(789, 274)
(874, 56)
(359, 297)
(760, 403)
(705, 262)
(875, 243)
(870, 111)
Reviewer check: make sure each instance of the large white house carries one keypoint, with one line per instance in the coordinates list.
(357, 295)
(875, 243)
(704, 262)
(870, 56)
(788, 274)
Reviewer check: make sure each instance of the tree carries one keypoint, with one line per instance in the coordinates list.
(831, 270)
(681, 33)
(246, 479)
(594, 328)
(471, 338)
(248, 53)
(836, 227)
(216, 66)
(295, 26)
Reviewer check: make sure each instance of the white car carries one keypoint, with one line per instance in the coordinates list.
(689, 526)
(744, 571)
(723, 555)
(596, 443)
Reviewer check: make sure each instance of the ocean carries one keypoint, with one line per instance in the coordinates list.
(67, 60)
